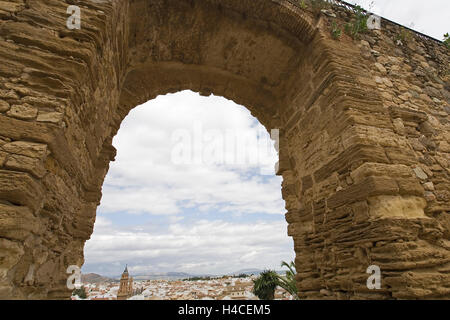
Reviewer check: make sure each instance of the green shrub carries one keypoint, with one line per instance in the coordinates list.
(302, 4)
(264, 286)
(358, 24)
(318, 5)
(81, 292)
(336, 32)
(404, 36)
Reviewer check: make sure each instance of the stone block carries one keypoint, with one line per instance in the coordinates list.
(51, 117)
(27, 164)
(2, 158)
(25, 148)
(23, 112)
(8, 94)
(410, 186)
(370, 169)
(21, 189)
(17, 222)
(371, 186)
(354, 155)
(4, 106)
(10, 254)
(420, 173)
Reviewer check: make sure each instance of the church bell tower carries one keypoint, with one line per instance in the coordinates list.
(126, 286)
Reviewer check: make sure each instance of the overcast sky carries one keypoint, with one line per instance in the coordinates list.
(178, 198)
(431, 17)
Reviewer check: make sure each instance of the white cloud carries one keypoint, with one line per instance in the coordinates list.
(144, 179)
(145, 182)
(203, 247)
(428, 17)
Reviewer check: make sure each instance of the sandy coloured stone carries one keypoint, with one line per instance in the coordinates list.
(420, 173)
(399, 127)
(387, 82)
(444, 146)
(8, 94)
(2, 158)
(4, 141)
(11, 6)
(17, 222)
(430, 196)
(387, 96)
(397, 206)
(381, 68)
(427, 128)
(42, 102)
(416, 144)
(406, 96)
(4, 106)
(425, 97)
(338, 114)
(447, 109)
(25, 148)
(10, 254)
(26, 164)
(366, 53)
(52, 117)
(23, 112)
(429, 186)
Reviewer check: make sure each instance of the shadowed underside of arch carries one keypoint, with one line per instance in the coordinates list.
(357, 189)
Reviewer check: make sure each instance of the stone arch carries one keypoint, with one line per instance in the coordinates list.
(351, 196)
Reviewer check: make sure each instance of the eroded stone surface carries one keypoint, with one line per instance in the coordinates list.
(4, 106)
(23, 112)
(358, 118)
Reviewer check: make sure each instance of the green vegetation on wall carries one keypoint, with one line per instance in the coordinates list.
(358, 24)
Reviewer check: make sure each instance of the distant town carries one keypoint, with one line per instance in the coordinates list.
(229, 287)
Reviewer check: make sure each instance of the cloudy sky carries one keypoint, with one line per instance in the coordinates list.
(192, 188)
(179, 198)
(431, 17)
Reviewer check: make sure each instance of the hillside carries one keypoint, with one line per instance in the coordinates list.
(95, 278)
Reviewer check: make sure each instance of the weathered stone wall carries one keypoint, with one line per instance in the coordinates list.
(364, 151)
(378, 193)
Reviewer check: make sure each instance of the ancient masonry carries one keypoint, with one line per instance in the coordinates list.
(365, 131)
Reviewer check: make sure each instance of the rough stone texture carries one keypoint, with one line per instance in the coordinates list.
(24, 112)
(365, 139)
(4, 106)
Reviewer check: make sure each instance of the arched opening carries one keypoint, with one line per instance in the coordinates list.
(192, 190)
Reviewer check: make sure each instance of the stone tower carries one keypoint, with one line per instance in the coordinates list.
(126, 286)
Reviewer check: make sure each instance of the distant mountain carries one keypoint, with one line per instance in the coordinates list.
(184, 275)
(246, 271)
(95, 278)
(252, 271)
(162, 276)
